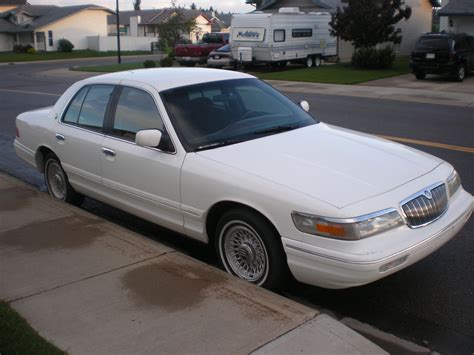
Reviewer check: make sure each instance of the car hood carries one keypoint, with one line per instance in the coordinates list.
(335, 165)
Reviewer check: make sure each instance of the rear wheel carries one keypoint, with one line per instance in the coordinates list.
(420, 75)
(57, 182)
(461, 73)
(309, 62)
(249, 247)
(317, 61)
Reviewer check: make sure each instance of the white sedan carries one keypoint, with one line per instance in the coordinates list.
(226, 159)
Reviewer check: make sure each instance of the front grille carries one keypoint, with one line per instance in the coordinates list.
(422, 210)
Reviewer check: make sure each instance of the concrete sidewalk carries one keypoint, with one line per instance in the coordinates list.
(92, 287)
(379, 92)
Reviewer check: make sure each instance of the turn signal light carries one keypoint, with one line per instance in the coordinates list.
(17, 132)
(334, 230)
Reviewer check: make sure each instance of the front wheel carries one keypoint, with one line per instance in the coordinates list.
(309, 62)
(420, 75)
(461, 73)
(57, 182)
(249, 247)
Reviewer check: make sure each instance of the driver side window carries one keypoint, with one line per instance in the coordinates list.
(136, 111)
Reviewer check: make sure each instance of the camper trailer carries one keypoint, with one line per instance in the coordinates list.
(279, 38)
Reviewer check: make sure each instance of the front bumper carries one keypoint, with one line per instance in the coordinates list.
(329, 269)
(219, 63)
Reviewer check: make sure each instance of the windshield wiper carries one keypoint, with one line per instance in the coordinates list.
(219, 144)
(277, 129)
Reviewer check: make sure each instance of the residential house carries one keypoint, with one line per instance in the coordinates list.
(43, 25)
(6, 5)
(220, 22)
(457, 16)
(145, 23)
(419, 23)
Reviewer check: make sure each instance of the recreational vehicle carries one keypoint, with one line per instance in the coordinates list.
(279, 38)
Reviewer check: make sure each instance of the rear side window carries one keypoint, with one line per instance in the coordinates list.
(136, 111)
(427, 43)
(72, 113)
(302, 32)
(94, 106)
(279, 36)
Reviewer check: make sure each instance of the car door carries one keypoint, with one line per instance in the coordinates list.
(142, 180)
(79, 136)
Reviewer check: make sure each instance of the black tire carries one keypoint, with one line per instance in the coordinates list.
(309, 63)
(61, 182)
(461, 72)
(283, 64)
(317, 61)
(420, 75)
(268, 247)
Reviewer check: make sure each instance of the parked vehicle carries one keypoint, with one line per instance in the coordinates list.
(443, 53)
(224, 158)
(192, 54)
(221, 57)
(279, 38)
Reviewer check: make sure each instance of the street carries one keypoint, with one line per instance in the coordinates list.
(430, 303)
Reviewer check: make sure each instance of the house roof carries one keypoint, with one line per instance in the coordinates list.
(154, 17)
(458, 8)
(12, 2)
(42, 15)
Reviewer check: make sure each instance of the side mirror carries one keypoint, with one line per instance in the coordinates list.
(148, 138)
(304, 105)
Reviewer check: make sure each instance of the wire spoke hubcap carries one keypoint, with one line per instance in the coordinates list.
(56, 180)
(245, 252)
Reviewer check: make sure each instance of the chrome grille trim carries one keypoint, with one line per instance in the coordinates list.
(420, 211)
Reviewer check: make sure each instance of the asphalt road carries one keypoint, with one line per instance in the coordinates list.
(431, 302)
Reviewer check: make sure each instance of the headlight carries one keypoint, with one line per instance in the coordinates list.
(454, 183)
(348, 229)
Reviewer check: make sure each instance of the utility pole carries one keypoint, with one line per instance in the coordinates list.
(119, 55)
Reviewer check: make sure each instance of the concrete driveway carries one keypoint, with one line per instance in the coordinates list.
(432, 82)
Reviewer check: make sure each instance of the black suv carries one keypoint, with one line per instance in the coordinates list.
(443, 53)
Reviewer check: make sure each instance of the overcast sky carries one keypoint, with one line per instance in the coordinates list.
(220, 5)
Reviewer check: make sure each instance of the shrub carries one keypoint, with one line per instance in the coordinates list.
(149, 64)
(31, 51)
(65, 45)
(373, 58)
(167, 62)
(19, 48)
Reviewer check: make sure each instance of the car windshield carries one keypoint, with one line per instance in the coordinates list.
(225, 48)
(220, 113)
(212, 38)
(432, 43)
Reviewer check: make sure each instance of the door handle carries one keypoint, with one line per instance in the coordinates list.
(60, 137)
(108, 152)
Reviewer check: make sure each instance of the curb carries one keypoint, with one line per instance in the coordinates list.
(75, 59)
(388, 342)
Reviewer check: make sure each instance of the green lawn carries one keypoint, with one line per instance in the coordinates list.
(25, 57)
(111, 68)
(338, 73)
(17, 337)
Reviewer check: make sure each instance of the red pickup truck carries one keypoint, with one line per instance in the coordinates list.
(191, 54)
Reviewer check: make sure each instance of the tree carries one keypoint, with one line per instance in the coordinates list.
(367, 23)
(173, 29)
(136, 5)
(193, 6)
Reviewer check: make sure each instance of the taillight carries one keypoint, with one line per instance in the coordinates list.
(17, 132)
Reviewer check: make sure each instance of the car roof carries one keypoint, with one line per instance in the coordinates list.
(168, 78)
